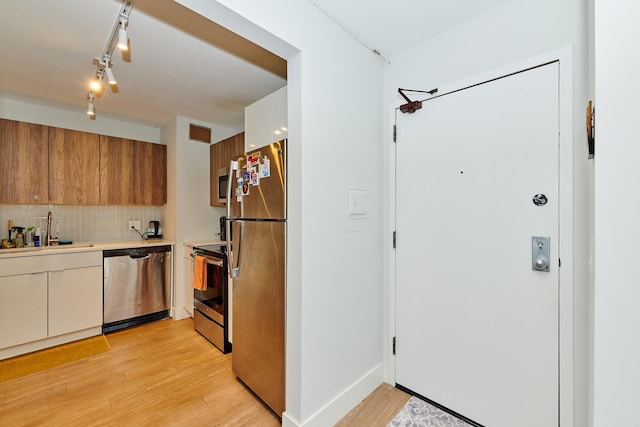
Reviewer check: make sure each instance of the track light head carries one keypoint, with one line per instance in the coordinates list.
(123, 39)
(96, 84)
(110, 77)
(91, 111)
(104, 63)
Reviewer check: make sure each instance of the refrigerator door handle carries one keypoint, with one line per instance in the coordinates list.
(233, 165)
(234, 266)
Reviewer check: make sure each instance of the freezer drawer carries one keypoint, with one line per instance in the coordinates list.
(209, 329)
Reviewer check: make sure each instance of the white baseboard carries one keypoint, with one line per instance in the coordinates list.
(340, 406)
(287, 421)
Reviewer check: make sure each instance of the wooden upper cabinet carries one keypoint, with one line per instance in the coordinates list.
(150, 174)
(42, 164)
(213, 175)
(233, 148)
(23, 163)
(220, 154)
(74, 163)
(132, 172)
(116, 171)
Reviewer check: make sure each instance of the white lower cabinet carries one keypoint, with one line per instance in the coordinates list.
(75, 299)
(47, 300)
(187, 263)
(23, 308)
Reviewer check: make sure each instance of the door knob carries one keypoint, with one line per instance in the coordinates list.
(540, 253)
(541, 264)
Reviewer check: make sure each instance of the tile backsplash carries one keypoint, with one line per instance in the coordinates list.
(80, 223)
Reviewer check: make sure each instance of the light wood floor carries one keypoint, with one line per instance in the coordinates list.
(378, 409)
(158, 374)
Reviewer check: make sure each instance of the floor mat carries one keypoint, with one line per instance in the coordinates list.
(418, 413)
(43, 359)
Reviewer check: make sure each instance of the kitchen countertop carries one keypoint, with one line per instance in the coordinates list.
(81, 247)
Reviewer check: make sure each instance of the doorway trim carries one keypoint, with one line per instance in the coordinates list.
(567, 350)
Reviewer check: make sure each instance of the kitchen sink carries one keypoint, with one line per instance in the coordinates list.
(45, 248)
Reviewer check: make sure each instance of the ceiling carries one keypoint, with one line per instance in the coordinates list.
(180, 63)
(390, 26)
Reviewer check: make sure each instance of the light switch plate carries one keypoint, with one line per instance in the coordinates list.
(356, 214)
(358, 203)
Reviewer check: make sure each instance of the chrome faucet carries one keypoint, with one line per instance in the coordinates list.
(49, 240)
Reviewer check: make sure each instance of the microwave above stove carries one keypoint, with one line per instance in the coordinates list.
(223, 182)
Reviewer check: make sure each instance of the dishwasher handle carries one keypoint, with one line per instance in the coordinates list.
(138, 252)
(139, 256)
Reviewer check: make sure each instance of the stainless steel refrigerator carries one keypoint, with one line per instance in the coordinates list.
(256, 235)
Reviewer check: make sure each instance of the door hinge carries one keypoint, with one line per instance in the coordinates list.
(394, 240)
(395, 133)
(394, 345)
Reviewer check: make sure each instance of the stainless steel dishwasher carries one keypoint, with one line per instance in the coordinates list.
(136, 286)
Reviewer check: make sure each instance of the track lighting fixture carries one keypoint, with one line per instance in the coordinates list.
(91, 111)
(119, 38)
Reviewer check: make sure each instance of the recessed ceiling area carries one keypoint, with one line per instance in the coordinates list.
(389, 26)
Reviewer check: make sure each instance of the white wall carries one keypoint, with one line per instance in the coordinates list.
(617, 290)
(509, 34)
(188, 214)
(77, 120)
(334, 285)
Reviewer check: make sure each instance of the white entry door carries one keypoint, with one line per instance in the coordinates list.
(476, 326)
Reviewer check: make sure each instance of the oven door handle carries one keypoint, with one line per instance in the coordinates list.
(214, 261)
(210, 260)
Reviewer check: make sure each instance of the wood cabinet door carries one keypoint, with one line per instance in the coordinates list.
(233, 148)
(150, 174)
(23, 163)
(213, 175)
(116, 171)
(74, 163)
(219, 156)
